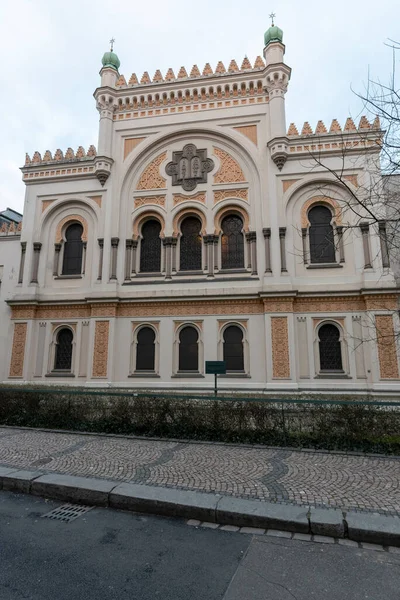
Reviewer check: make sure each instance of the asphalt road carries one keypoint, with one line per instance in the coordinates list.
(110, 555)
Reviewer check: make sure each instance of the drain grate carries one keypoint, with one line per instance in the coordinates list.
(67, 512)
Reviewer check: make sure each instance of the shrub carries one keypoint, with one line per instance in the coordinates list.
(350, 425)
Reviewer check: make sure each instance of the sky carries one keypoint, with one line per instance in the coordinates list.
(52, 53)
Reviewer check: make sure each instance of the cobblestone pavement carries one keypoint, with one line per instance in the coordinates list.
(346, 481)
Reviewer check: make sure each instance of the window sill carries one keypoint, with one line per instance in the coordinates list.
(325, 266)
(68, 276)
(229, 271)
(235, 374)
(333, 375)
(185, 273)
(60, 374)
(185, 375)
(145, 374)
(144, 275)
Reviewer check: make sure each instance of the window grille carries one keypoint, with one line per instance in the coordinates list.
(190, 245)
(322, 243)
(150, 247)
(233, 348)
(188, 349)
(232, 243)
(63, 358)
(73, 250)
(330, 353)
(145, 350)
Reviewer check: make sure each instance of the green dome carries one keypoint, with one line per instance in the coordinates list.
(274, 34)
(110, 59)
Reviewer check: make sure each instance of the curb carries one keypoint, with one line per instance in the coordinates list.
(213, 508)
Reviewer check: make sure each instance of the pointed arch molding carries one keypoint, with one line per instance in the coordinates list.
(189, 212)
(225, 210)
(145, 216)
(334, 204)
(71, 218)
(229, 170)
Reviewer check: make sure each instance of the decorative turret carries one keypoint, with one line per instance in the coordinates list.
(106, 104)
(109, 71)
(277, 79)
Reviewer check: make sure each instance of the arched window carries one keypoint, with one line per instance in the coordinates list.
(232, 243)
(330, 352)
(63, 354)
(188, 349)
(233, 348)
(150, 247)
(322, 244)
(145, 350)
(73, 250)
(190, 245)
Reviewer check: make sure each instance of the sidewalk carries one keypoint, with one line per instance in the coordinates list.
(304, 478)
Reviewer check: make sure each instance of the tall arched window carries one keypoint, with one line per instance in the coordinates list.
(145, 349)
(150, 247)
(73, 250)
(63, 354)
(188, 349)
(330, 352)
(190, 245)
(322, 243)
(232, 243)
(233, 348)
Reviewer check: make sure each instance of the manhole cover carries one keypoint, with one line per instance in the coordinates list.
(67, 512)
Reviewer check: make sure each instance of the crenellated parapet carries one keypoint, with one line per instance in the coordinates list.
(335, 128)
(10, 229)
(366, 136)
(70, 164)
(183, 91)
(194, 73)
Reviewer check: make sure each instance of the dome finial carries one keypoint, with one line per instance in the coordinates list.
(110, 59)
(274, 34)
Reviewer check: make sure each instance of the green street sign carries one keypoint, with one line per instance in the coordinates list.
(215, 367)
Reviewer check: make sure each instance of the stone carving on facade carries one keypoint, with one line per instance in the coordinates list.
(143, 200)
(200, 197)
(230, 170)
(189, 167)
(388, 360)
(242, 194)
(151, 179)
(18, 350)
(280, 348)
(100, 350)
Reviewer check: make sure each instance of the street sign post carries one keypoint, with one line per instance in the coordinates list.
(215, 367)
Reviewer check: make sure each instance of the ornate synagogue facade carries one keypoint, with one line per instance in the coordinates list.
(202, 228)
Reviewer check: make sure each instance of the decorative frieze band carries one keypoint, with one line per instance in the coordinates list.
(270, 304)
